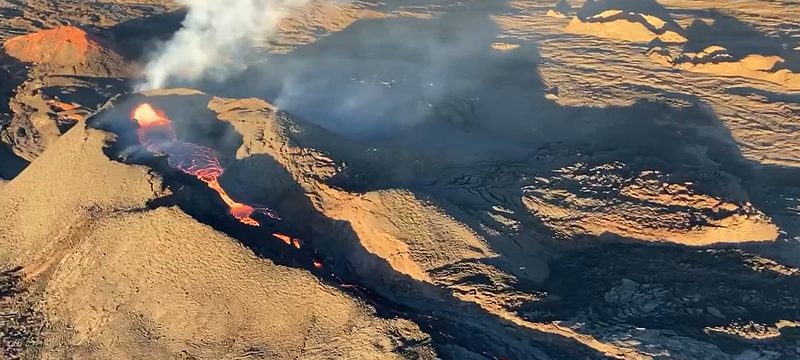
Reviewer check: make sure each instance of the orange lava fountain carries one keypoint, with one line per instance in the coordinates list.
(157, 134)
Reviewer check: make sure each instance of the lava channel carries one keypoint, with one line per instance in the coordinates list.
(157, 134)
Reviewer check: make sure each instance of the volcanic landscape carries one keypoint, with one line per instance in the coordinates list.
(400, 179)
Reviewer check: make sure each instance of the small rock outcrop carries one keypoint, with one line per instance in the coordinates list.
(641, 21)
(607, 199)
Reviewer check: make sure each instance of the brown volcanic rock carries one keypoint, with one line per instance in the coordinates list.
(121, 281)
(43, 108)
(415, 237)
(636, 21)
(67, 73)
(61, 44)
(66, 50)
(645, 206)
(717, 60)
(422, 245)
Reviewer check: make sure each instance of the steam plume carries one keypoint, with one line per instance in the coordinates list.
(213, 34)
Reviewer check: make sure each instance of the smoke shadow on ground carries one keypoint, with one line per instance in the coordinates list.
(9, 80)
(700, 289)
(12, 73)
(475, 155)
(632, 11)
(383, 80)
(136, 37)
(651, 7)
(738, 37)
(510, 115)
(89, 92)
(454, 325)
(11, 165)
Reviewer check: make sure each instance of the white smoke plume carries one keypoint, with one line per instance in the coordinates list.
(212, 36)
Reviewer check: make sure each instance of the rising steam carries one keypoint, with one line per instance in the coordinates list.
(213, 35)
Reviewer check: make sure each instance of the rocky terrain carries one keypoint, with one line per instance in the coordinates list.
(459, 180)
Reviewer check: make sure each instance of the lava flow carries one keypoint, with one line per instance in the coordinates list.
(157, 134)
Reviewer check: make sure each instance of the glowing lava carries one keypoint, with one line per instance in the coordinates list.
(157, 134)
(288, 240)
(317, 263)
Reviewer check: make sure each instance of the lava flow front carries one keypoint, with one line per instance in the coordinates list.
(157, 134)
